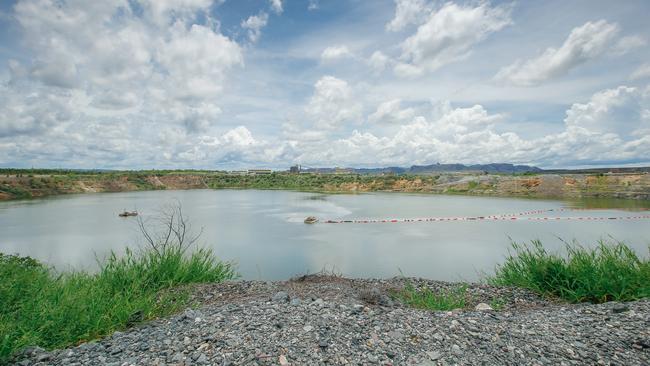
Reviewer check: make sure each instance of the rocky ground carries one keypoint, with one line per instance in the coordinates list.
(322, 320)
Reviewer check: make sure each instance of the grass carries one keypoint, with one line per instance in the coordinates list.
(425, 298)
(610, 271)
(41, 307)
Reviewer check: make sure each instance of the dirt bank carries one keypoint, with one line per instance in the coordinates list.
(635, 186)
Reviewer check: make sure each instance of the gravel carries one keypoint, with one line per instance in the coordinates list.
(326, 320)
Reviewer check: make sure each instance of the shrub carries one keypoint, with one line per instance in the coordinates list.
(41, 307)
(610, 271)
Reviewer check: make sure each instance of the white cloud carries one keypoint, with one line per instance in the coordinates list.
(378, 61)
(390, 112)
(313, 5)
(153, 65)
(276, 6)
(641, 72)
(449, 34)
(622, 111)
(408, 12)
(239, 136)
(613, 125)
(332, 104)
(334, 53)
(585, 43)
(254, 24)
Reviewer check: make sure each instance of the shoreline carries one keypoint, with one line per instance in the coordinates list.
(321, 319)
(624, 186)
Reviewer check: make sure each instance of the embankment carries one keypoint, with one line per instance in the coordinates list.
(634, 186)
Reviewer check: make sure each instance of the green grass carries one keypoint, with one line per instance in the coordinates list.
(39, 306)
(610, 271)
(425, 298)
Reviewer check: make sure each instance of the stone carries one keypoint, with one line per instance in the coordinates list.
(295, 301)
(202, 358)
(323, 343)
(434, 355)
(483, 307)
(319, 302)
(178, 357)
(620, 308)
(283, 360)
(455, 349)
(307, 328)
(281, 296)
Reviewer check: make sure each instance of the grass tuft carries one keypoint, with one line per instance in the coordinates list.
(40, 307)
(610, 271)
(425, 298)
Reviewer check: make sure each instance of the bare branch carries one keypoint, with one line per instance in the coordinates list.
(173, 231)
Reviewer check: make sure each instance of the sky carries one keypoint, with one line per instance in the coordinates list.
(235, 84)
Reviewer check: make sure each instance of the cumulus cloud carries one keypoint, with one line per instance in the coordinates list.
(105, 76)
(613, 125)
(622, 111)
(313, 5)
(152, 62)
(332, 104)
(408, 12)
(449, 34)
(334, 53)
(254, 25)
(391, 112)
(276, 6)
(585, 43)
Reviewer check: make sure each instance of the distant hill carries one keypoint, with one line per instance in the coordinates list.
(435, 168)
(490, 168)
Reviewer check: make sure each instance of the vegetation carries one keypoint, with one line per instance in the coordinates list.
(28, 183)
(39, 306)
(425, 298)
(611, 271)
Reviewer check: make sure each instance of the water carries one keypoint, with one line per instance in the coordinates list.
(263, 231)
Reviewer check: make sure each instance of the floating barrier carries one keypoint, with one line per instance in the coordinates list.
(520, 216)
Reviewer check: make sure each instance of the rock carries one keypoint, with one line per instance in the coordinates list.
(42, 357)
(483, 307)
(373, 359)
(295, 301)
(455, 349)
(396, 335)
(307, 328)
(357, 309)
(620, 308)
(283, 360)
(319, 302)
(323, 343)
(178, 357)
(434, 355)
(281, 296)
(202, 358)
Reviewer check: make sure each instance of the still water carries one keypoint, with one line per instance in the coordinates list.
(263, 231)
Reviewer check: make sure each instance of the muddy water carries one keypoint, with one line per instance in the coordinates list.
(263, 231)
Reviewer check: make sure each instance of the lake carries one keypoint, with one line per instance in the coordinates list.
(263, 231)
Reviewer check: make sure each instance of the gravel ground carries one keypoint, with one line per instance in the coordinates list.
(319, 320)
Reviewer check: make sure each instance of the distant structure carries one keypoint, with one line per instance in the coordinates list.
(295, 169)
(259, 171)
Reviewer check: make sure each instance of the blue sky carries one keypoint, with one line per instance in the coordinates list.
(224, 84)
